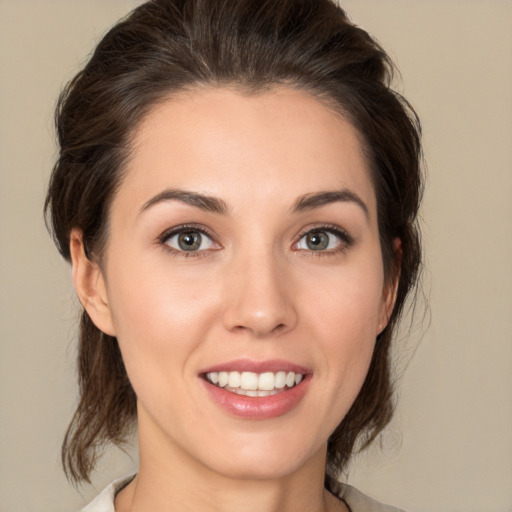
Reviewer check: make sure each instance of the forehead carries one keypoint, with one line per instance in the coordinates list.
(280, 143)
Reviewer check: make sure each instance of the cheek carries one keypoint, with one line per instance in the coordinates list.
(148, 295)
(348, 304)
(345, 316)
(348, 328)
(160, 317)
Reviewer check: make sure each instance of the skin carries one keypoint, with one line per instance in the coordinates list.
(254, 290)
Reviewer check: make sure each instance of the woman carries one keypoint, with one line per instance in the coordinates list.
(236, 190)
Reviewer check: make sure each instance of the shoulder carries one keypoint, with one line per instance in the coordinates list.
(104, 502)
(358, 501)
(355, 499)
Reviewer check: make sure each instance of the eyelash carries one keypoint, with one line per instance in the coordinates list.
(166, 235)
(346, 241)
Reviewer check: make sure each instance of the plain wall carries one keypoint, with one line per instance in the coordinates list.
(449, 447)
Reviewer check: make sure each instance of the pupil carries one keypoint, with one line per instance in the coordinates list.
(189, 240)
(318, 241)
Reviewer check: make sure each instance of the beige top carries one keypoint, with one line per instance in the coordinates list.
(355, 500)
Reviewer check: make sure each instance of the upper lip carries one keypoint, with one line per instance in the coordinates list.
(250, 365)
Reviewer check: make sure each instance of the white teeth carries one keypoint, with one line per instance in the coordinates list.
(280, 381)
(249, 381)
(253, 384)
(223, 379)
(266, 381)
(234, 380)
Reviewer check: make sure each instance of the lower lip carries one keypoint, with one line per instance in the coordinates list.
(259, 407)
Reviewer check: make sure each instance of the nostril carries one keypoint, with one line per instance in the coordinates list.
(260, 330)
(259, 306)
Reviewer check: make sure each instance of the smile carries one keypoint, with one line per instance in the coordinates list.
(254, 384)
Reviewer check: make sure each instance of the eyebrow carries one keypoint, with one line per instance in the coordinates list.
(318, 199)
(201, 201)
(215, 205)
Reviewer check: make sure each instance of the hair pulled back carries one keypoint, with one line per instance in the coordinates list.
(165, 46)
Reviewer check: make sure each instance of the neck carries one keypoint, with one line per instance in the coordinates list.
(169, 480)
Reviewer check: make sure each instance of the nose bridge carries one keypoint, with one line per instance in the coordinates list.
(259, 293)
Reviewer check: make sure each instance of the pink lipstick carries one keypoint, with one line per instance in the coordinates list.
(256, 389)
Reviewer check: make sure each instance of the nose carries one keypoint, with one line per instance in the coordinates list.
(260, 297)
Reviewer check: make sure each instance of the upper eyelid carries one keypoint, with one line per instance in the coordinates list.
(331, 228)
(163, 239)
(168, 233)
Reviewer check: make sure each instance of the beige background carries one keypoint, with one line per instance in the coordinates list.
(450, 446)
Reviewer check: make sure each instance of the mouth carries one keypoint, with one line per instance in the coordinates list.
(257, 390)
(254, 384)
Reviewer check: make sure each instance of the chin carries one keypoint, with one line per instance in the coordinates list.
(264, 461)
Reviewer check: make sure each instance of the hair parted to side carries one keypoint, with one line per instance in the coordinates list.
(166, 46)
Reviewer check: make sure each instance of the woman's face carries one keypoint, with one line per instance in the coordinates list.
(243, 247)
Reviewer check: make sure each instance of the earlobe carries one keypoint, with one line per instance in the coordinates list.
(90, 285)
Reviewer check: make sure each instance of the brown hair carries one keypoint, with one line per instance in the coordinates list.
(164, 46)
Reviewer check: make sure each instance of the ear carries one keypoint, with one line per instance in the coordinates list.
(90, 285)
(390, 289)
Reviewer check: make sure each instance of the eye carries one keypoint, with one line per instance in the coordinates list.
(189, 240)
(323, 239)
